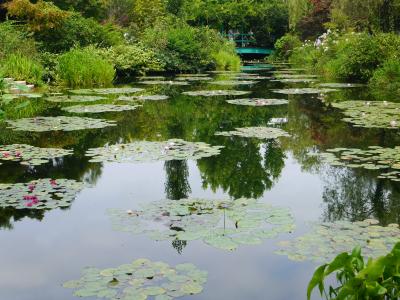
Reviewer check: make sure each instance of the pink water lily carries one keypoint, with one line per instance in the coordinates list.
(31, 187)
(53, 182)
(6, 154)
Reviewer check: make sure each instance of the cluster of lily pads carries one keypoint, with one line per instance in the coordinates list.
(373, 158)
(108, 91)
(39, 194)
(75, 98)
(256, 132)
(234, 82)
(143, 97)
(99, 108)
(223, 224)
(140, 280)
(258, 102)
(214, 93)
(371, 114)
(302, 91)
(193, 78)
(164, 82)
(145, 151)
(30, 155)
(42, 124)
(295, 80)
(326, 240)
(338, 85)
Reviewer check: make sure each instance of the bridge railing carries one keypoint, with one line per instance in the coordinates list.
(241, 39)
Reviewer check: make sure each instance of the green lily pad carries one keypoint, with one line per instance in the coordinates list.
(234, 82)
(75, 98)
(152, 78)
(164, 82)
(193, 78)
(144, 151)
(373, 158)
(256, 132)
(40, 194)
(193, 75)
(42, 124)
(258, 102)
(99, 108)
(30, 155)
(109, 91)
(339, 85)
(304, 91)
(294, 76)
(143, 97)
(371, 114)
(295, 80)
(223, 224)
(327, 240)
(252, 77)
(141, 279)
(215, 93)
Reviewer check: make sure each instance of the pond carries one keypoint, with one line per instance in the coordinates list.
(102, 201)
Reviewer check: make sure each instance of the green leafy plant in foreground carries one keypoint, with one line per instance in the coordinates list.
(377, 279)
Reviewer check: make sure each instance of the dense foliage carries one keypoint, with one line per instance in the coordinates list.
(376, 279)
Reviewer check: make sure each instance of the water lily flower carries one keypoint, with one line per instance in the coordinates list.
(18, 154)
(393, 123)
(53, 182)
(6, 154)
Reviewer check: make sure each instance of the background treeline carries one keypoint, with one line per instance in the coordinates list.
(92, 42)
(347, 40)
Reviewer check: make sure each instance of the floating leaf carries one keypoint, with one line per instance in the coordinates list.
(144, 151)
(295, 80)
(294, 76)
(99, 108)
(152, 78)
(109, 91)
(75, 98)
(143, 97)
(215, 93)
(256, 132)
(200, 78)
(30, 155)
(340, 85)
(234, 82)
(39, 194)
(258, 101)
(371, 114)
(164, 82)
(304, 91)
(327, 240)
(141, 279)
(41, 124)
(223, 224)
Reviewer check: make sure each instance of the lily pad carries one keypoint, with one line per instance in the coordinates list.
(152, 78)
(187, 78)
(40, 194)
(42, 124)
(141, 279)
(193, 75)
(143, 97)
(373, 158)
(75, 98)
(258, 102)
(109, 91)
(144, 151)
(30, 155)
(295, 80)
(234, 82)
(371, 114)
(215, 93)
(251, 77)
(164, 82)
(339, 85)
(303, 91)
(256, 132)
(99, 108)
(223, 224)
(327, 240)
(294, 76)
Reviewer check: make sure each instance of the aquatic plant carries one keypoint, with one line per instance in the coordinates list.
(21, 67)
(163, 82)
(326, 240)
(193, 78)
(373, 158)
(142, 279)
(258, 102)
(39, 194)
(296, 91)
(358, 279)
(370, 114)
(74, 98)
(223, 224)
(234, 82)
(30, 155)
(99, 108)
(256, 132)
(41, 124)
(215, 93)
(108, 91)
(338, 85)
(144, 151)
(143, 98)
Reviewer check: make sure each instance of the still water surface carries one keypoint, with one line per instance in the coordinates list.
(41, 250)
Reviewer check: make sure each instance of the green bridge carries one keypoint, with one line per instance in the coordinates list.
(246, 45)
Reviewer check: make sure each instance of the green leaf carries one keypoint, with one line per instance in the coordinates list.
(317, 280)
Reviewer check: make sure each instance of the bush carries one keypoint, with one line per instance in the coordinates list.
(385, 82)
(225, 60)
(84, 68)
(14, 39)
(285, 45)
(131, 60)
(21, 67)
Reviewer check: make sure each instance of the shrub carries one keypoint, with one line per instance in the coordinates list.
(14, 39)
(378, 279)
(385, 82)
(21, 67)
(84, 68)
(131, 60)
(225, 60)
(285, 45)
